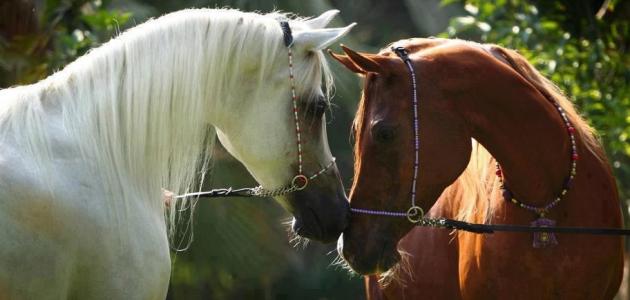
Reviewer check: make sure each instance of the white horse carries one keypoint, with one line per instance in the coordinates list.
(84, 153)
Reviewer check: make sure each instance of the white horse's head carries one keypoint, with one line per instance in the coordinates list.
(261, 130)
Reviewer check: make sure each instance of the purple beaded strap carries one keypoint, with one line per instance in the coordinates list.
(414, 214)
(379, 212)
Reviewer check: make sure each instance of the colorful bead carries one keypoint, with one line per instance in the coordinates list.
(567, 183)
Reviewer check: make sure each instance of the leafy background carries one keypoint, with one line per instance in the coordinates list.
(241, 248)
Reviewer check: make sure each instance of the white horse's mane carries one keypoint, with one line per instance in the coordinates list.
(125, 106)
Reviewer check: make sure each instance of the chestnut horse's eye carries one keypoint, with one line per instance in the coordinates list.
(383, 133)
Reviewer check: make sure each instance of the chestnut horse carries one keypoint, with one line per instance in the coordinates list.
(464, 91)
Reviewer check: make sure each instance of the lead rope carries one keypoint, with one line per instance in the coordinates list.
(300, 181)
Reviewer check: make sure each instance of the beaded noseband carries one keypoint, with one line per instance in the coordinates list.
(299, 181)
(415, 213)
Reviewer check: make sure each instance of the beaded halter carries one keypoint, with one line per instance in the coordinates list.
(415, 213)
(299, 181)
(544, 239)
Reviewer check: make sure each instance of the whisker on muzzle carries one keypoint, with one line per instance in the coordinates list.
(401, 273)
(339, 263)
(295, 240)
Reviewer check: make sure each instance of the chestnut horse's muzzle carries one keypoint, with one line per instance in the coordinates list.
(371, 256)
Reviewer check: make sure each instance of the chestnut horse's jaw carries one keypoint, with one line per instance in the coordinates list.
(368, 260)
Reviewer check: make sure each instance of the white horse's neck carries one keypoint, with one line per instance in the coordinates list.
(138, 109)
(138, 114)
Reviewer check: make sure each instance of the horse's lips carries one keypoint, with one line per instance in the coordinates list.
(386, 258)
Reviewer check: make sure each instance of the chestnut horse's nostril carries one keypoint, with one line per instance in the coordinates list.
(346, 213)
(338, 218)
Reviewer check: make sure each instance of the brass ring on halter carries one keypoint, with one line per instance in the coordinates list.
(299, 182)
(415, 214)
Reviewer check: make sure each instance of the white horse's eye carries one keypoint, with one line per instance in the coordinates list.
(320, 106)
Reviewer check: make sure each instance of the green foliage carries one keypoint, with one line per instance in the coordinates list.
(78, 26)
(69, 29)
(584, 54)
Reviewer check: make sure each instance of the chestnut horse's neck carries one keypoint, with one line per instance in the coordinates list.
(514, 118)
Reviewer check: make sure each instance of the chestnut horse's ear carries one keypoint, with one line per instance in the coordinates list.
(346, 61)
(366, 62)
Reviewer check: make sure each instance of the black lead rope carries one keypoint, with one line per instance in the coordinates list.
(492, 228)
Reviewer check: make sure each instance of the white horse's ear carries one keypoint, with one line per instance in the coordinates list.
(321, 21)
(318, 39)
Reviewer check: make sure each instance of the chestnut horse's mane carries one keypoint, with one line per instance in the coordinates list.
(478, 180)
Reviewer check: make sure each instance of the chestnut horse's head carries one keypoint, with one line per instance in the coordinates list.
(384, 145)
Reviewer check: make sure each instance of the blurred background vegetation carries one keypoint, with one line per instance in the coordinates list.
(241, 248)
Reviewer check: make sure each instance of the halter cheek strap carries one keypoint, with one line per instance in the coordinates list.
(415, 213)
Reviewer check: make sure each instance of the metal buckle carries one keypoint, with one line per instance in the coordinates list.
(415, 214)
(299, 182)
